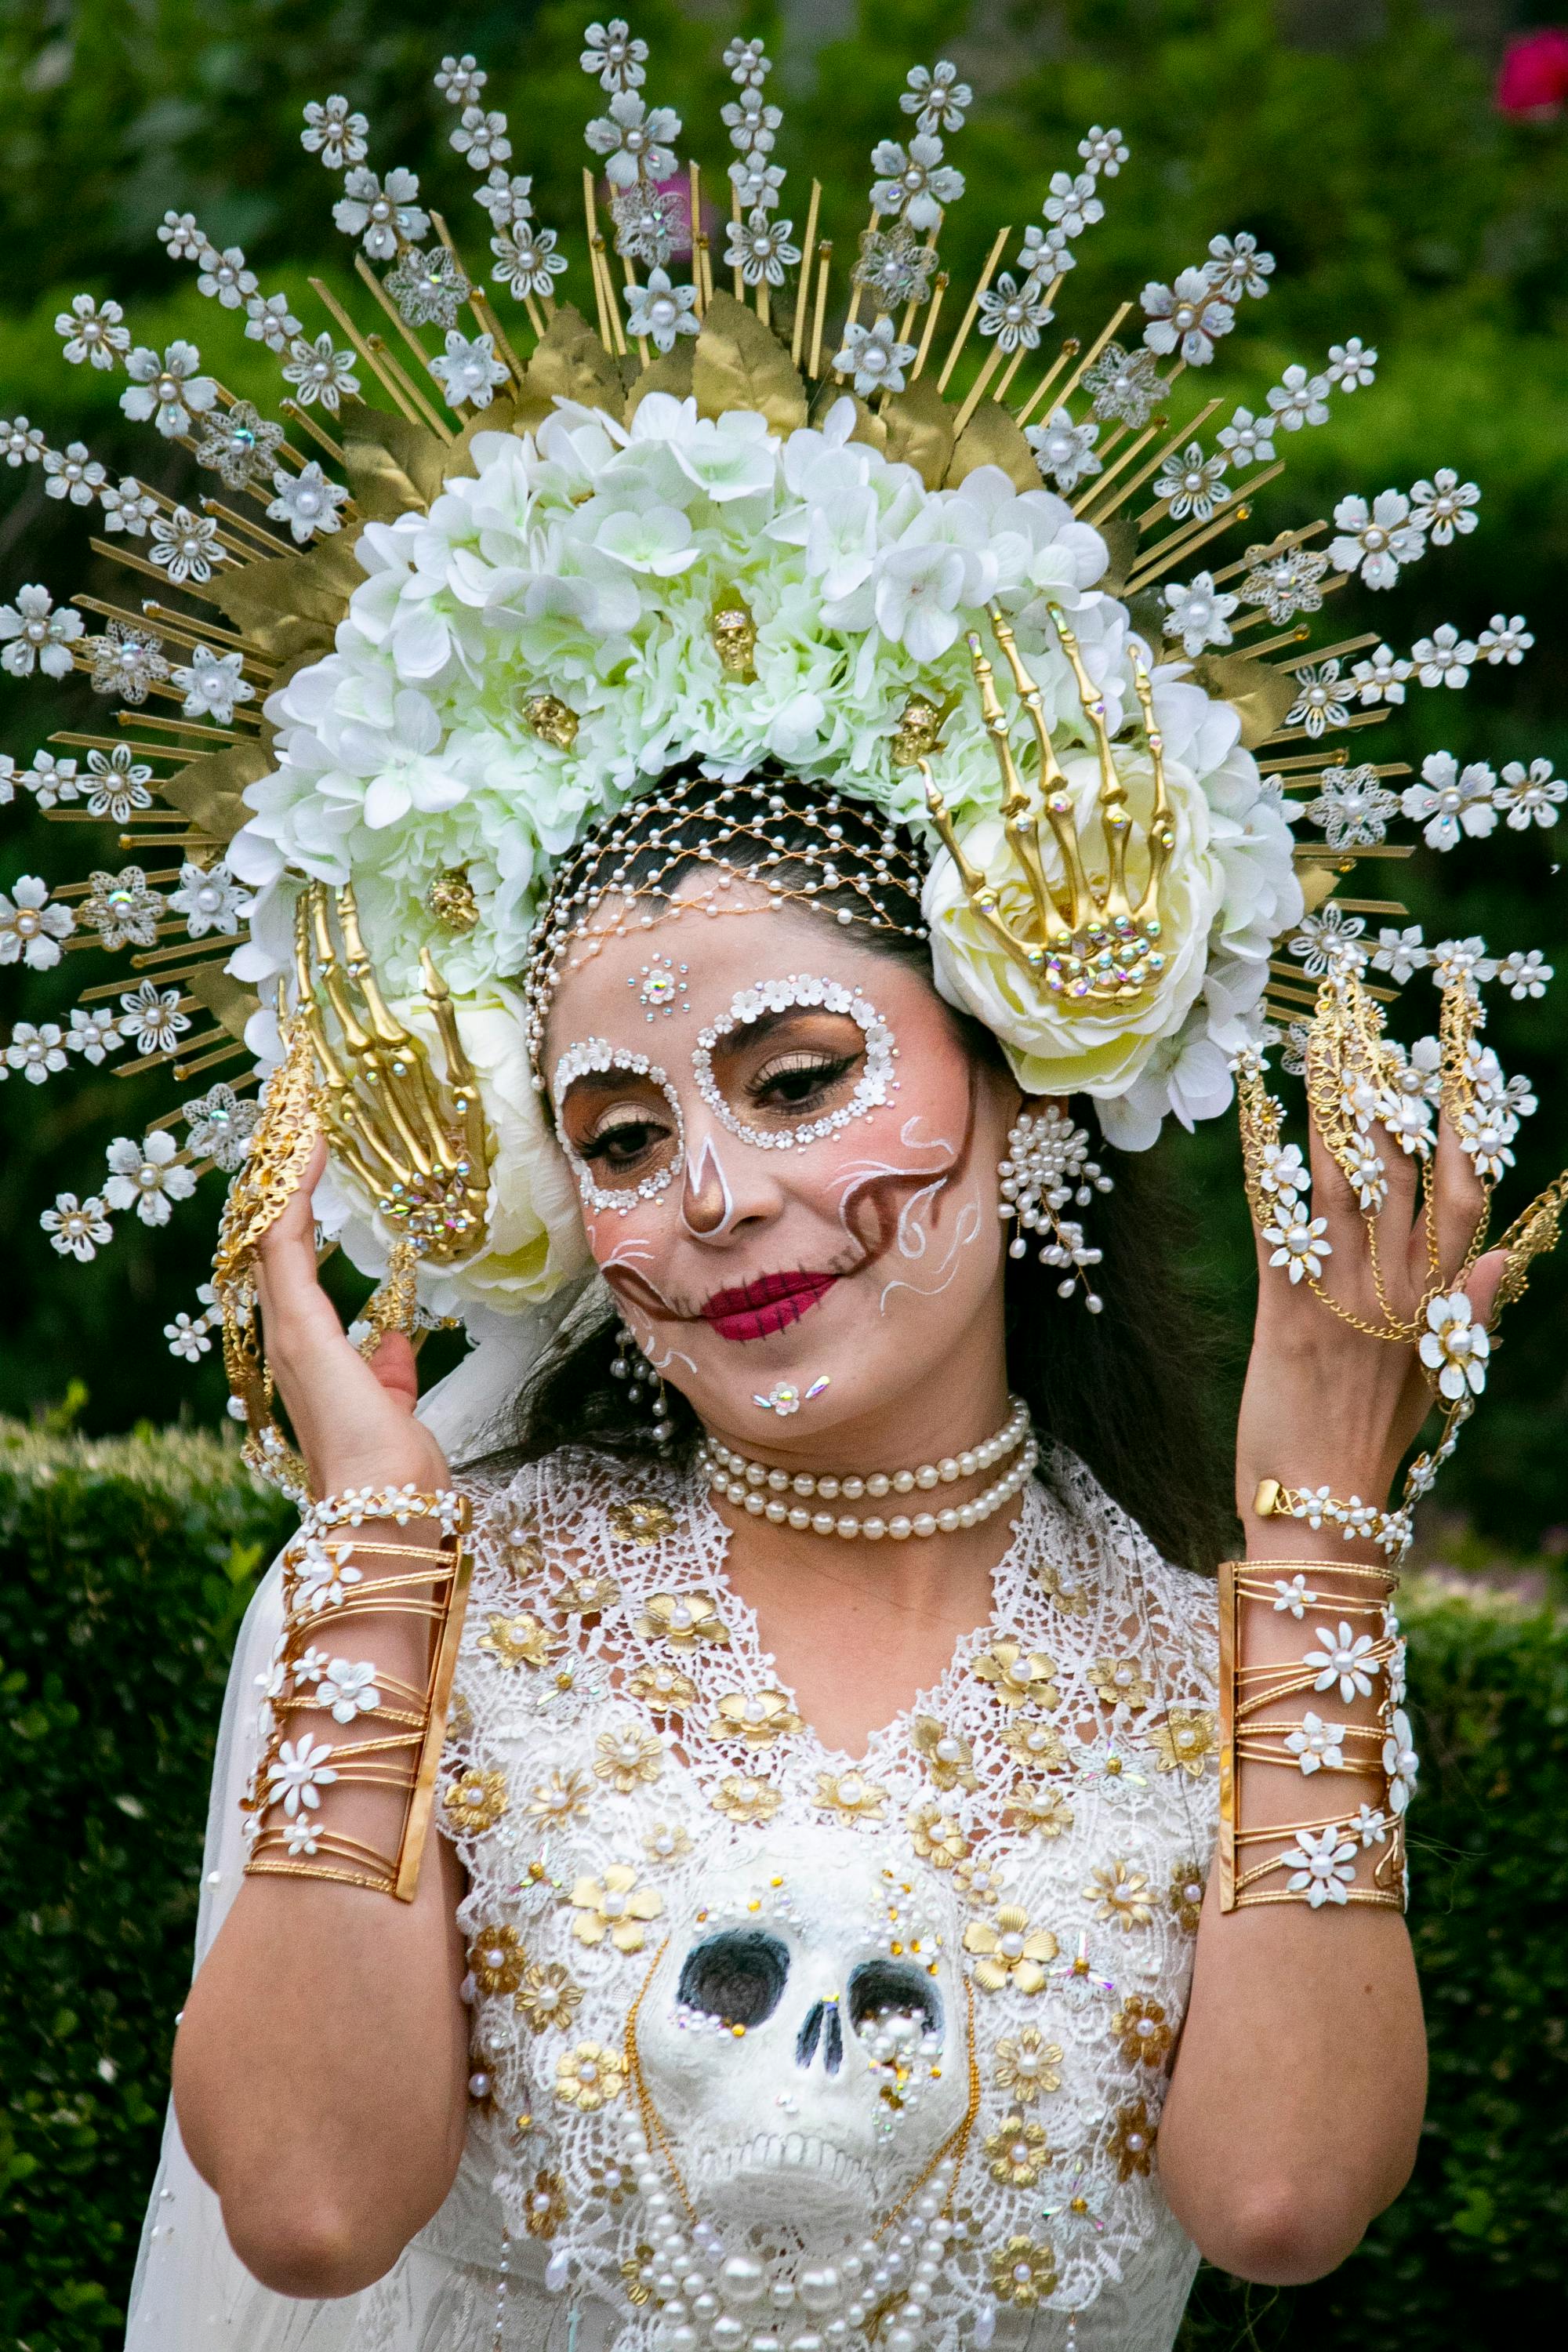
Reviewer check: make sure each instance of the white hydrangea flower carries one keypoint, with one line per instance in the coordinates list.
(1456, 1346)
(1444, 658)
(179, 233)
(93, 1034)
(1450, 800)
(127, 507)
(1199, 613)
(145, 1177)
(21, 444)
(71, 473)
(269, 321)
(1400, 1761)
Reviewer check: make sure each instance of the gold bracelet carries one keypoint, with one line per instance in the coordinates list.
(333, 1575)
(1319, 1858)
(1356, 1520)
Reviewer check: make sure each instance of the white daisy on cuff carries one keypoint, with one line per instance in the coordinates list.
(1322, 1864)
(1345, 1658)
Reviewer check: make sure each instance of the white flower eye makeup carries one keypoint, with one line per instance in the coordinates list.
(620, 1125)
(793, 1060)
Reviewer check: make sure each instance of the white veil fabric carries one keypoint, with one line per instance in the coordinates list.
(189, 2291)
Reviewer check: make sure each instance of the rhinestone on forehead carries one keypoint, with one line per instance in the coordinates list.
(876, 1083)
(598, 1053)
(842, 846)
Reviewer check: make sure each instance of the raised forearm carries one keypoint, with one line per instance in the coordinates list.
(1297, 2101)
(320, 2069)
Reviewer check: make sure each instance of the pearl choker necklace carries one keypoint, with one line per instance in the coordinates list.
(762, 1491)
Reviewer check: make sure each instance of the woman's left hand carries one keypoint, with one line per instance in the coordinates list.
(1324, 1403)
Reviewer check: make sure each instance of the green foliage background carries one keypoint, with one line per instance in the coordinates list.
(125, 1567)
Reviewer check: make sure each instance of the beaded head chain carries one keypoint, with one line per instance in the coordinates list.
(800, 842)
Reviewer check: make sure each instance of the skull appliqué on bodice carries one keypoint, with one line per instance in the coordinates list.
(779, 2051)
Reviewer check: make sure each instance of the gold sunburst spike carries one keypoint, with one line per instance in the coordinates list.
(982, 281)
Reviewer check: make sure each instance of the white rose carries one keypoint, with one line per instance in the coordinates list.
(1056, 1045)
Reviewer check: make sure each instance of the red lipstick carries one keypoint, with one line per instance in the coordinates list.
(753, 1310)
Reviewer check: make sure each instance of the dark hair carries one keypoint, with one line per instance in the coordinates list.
(1127, 1391)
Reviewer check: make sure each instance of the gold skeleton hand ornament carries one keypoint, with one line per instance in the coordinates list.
(1088, 938)
(417, 1144)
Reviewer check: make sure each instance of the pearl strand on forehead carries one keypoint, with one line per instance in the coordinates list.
(763, 1491)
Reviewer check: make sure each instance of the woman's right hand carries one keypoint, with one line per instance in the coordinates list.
(354, 1418)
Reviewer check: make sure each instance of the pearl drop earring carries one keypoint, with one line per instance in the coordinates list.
(631, 1365)
(1048, 1169)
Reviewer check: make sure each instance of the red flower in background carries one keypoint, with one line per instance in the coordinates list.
(1533, 79)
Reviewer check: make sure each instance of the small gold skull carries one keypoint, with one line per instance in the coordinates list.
(451, 900)
(734, 635)
(915, 736)
(552, 720)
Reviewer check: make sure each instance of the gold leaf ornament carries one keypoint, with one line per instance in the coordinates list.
(739, 363)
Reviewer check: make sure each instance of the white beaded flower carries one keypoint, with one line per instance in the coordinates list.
(1455, 1345)
(1345, 1659)
(1322, 1864)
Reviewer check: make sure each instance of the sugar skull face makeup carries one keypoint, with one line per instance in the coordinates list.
(799, 1197)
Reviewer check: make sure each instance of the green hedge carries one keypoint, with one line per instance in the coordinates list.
(125, 1567)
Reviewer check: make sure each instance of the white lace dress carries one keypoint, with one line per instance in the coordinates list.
(974, 1941)
(736, 1997)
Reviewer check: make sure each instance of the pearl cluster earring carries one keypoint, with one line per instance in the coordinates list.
(631, 1365)
(1048, 1169)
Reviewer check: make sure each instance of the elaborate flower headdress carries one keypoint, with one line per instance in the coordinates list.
(484, 582)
